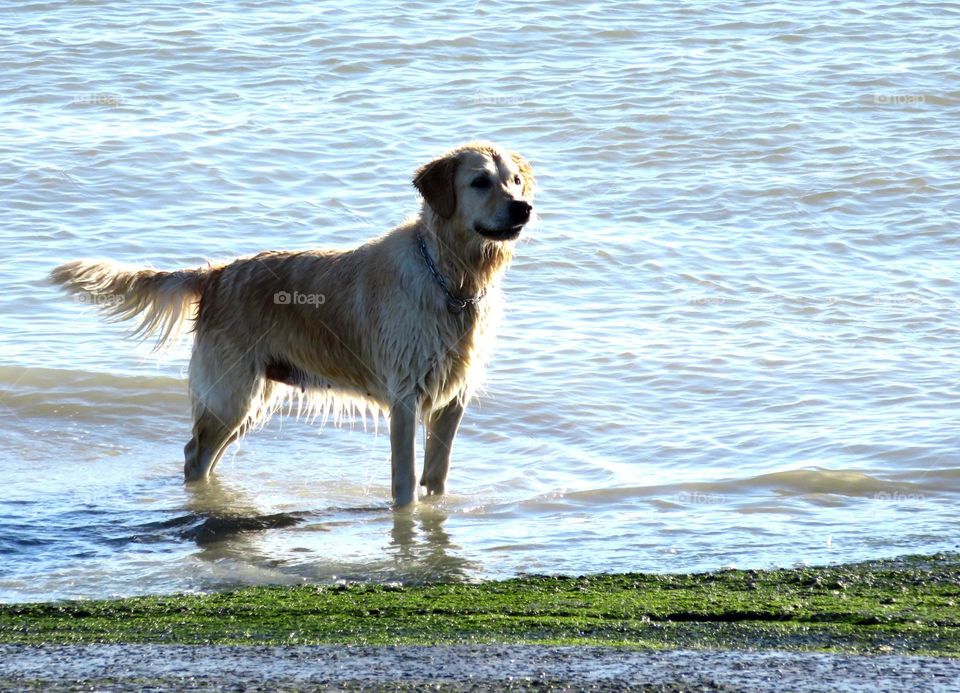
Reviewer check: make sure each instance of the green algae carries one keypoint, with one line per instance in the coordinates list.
(908, 605)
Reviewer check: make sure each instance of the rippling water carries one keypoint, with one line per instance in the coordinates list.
(732, 334)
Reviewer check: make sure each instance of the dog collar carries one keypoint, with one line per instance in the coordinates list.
(455, 304)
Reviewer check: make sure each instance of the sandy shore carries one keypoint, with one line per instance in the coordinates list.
(456, 668)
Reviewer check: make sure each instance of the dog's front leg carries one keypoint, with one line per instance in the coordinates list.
(441, 429)
(403, 437)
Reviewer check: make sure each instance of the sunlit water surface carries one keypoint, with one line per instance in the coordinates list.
(731, 337)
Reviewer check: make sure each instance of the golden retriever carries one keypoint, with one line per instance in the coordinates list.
(400, 325)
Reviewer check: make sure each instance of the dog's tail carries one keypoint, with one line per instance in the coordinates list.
(164, 300)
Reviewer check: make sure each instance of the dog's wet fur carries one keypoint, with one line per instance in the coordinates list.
(369, 327)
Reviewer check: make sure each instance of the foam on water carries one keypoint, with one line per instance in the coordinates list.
(731, 336)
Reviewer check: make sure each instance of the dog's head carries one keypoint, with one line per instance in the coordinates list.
(480, 188)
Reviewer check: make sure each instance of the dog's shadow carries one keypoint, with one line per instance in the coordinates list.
(218, 512)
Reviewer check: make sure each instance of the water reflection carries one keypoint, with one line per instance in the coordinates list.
(423, 549)
(236, 537)
(214, 497)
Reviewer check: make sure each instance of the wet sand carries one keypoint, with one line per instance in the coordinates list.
(457, 668)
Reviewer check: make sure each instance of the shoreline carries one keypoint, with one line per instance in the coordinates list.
(873, 626)
(903, 606)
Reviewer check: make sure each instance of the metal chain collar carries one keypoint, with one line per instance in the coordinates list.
(455, 304)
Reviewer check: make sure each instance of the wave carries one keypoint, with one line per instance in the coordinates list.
(784, 484)
(53, 392)
(81, 395)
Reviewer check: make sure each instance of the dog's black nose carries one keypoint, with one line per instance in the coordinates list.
(520, 211)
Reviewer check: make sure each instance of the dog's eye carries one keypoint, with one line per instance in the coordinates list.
(516, 179)
(480, 183)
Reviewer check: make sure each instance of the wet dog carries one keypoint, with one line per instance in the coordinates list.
(401, 325)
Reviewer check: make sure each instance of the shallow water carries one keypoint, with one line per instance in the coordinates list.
(731, 334)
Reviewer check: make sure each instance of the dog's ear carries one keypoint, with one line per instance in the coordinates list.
(526, 173)
(435, 181)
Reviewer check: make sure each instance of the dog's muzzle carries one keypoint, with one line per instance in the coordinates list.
(519, 214)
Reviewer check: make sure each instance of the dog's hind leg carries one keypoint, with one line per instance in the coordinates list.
(442, 427)
(210, 440)
(224, 405)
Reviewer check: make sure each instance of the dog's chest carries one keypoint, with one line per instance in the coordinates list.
(458, 355)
